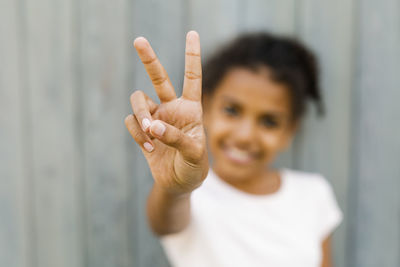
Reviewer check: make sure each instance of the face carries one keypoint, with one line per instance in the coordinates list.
(248, 122)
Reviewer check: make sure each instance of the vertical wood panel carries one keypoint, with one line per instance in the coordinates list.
(163, 24)
(104, 42)
(276, 16)
(375, 232)
(14, 218)
(73, 184)
(215, 21)
(50, 78)
(323, 144)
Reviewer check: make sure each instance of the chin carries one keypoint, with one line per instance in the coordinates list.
(236, 172)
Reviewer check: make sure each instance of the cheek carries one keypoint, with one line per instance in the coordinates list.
(273, 141)
(218, 129)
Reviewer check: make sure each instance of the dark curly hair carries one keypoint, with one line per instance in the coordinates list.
(289, 61)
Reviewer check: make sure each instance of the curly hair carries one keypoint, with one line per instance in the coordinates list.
(289, 61)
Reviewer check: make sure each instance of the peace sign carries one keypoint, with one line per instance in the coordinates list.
(171, 134)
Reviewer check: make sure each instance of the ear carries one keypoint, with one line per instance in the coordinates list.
(206, 104)
(295, 126)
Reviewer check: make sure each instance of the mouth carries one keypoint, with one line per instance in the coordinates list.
(239, 156)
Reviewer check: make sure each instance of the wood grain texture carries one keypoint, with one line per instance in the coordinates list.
(15, 219)
(163, 24)
(277, 16)
(375, 232)
(73, 183)
(323, 143)
(51, 83)
(215, 21)
(104, 43)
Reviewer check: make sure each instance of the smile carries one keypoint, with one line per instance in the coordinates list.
(238, 155)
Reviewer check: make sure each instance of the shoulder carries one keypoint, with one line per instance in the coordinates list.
(312, 186)
(307, 180)
(320, 195)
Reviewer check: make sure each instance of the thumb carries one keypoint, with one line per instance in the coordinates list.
(190, 148)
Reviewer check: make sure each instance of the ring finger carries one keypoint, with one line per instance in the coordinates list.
(138, 135)
(142, 107)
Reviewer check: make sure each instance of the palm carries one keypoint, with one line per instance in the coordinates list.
(179, 159)
(166, 162)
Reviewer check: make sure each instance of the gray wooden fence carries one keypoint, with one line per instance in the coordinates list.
(72, 182)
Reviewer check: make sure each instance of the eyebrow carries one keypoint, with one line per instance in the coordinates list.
(264, 113)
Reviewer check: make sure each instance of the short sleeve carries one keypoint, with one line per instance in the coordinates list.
(329, 213)
(178, 240)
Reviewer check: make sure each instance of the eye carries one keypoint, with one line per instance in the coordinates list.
(269, 121)
(231, 110)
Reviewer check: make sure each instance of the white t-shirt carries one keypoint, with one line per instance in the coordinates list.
(232, 228)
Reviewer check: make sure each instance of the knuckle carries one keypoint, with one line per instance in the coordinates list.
(192, 75)
(136, 95)
(139, 116)
(158, 80)
(149, 61)
(192, 54)
(197, 151)
(176, 138)
(137, 136)
(176, 141)
(128, 119)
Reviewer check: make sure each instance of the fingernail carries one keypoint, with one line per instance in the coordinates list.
(158, 128)
(148, 147)
(145, 124)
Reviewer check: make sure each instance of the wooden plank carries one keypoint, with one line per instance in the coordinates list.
(103, 52)
(15, 238)
(163, 24)
(375, 232)
(215, 21)
(275, 16)
(323, 144)
(51, 87)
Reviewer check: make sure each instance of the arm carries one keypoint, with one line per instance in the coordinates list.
(167, 212)
(326, 253)
(171, 136)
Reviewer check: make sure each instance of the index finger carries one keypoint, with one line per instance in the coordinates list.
(155, 70)
(192, 81)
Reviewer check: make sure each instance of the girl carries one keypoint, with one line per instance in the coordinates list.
(241, 212)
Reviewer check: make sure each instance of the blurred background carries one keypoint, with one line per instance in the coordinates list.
(73, 183)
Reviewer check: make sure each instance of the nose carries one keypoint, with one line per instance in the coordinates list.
(245, 132)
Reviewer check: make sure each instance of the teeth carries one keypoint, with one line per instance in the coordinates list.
(239, 155)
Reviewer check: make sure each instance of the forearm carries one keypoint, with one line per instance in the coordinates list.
(167, 212)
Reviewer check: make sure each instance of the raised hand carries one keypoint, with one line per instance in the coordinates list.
(171, 134)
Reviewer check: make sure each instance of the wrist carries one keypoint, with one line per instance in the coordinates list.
(171, 192)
